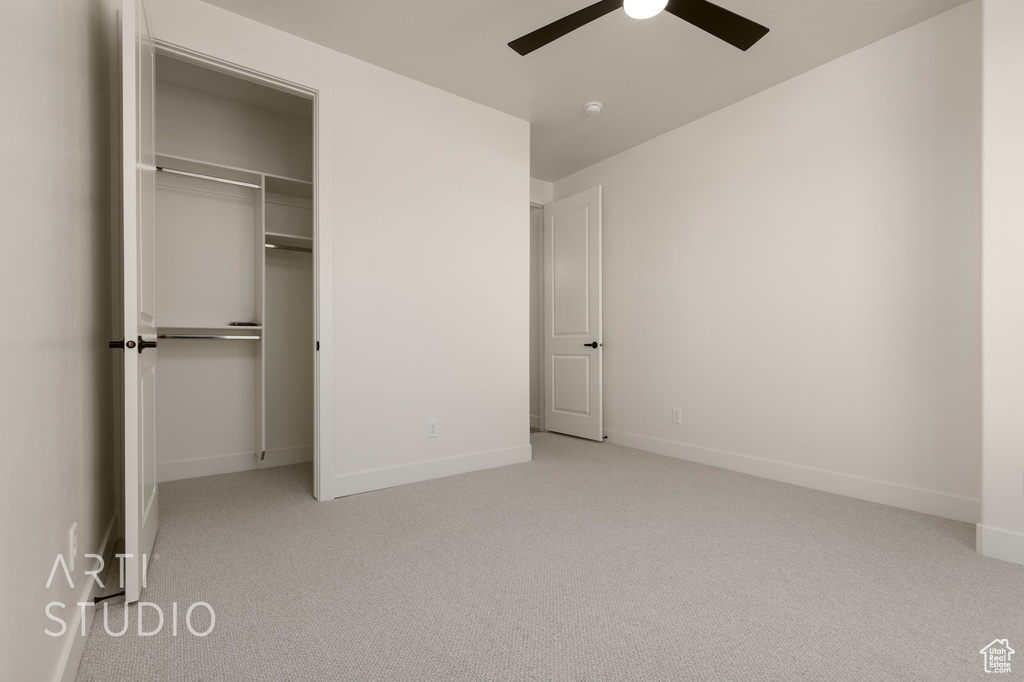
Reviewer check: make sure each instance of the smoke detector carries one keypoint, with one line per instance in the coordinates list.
(593, 108)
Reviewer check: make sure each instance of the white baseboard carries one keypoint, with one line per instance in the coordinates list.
(1000, 544)
(535, 421)
(74, 640)
(229, 464)
(945, 505)
(378, 479)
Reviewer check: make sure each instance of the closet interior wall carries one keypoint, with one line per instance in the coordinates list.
(228, 253)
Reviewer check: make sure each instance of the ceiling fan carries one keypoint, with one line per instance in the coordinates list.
(732, 28)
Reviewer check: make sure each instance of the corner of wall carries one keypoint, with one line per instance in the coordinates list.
(541, 192)
(997, 543)
(1001, 533)
(417, 472)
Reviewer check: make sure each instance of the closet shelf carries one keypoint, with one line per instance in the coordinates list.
(277, 184)
(215, 337)
(210, 171)
(218, 330)
(282, 239)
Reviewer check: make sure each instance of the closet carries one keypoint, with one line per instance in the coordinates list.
(233, 257)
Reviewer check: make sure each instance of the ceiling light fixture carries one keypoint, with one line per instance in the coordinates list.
(644, 9)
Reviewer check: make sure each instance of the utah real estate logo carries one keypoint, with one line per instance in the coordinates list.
(997, 656)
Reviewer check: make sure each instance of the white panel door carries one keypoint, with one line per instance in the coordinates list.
(572, 316)
(137, 236)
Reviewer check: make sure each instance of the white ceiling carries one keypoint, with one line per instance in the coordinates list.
(652, 75)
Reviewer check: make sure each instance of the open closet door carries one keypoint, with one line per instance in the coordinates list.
(138, 293)
(573, 401)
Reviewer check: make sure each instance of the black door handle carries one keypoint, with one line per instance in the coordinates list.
(595, 344)
(143, 344)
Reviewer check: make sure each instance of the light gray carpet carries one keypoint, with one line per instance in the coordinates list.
(593, 562)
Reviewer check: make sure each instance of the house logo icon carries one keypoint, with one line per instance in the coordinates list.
(997, 656)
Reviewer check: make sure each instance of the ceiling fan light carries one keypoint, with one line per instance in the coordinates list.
(644, 9)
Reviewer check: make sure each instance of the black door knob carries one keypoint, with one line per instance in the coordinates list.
(591, 345)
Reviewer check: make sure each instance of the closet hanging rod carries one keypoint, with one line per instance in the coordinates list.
(164, 169)
(302, 249)
(219, 337)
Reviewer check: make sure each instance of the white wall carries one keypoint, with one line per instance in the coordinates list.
(55, 377)
(799, 273)
(1001, 532)
(428, 291)
(197, 125)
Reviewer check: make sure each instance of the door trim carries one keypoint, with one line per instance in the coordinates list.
(539, 332)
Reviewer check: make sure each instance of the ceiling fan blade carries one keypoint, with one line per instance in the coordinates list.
(557, 29)
(732, 28)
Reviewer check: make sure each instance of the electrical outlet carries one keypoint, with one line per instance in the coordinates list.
(432, 428)
(72, 546)
(677, 415)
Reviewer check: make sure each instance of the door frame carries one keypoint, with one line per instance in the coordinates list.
(323, 297)
(539, 332)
